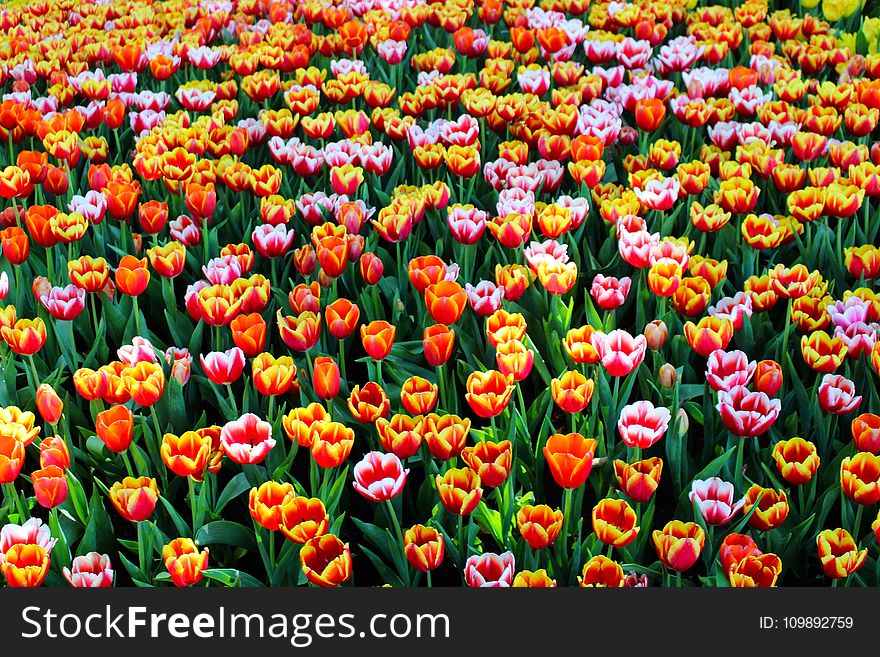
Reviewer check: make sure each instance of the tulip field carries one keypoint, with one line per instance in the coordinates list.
(413, 293)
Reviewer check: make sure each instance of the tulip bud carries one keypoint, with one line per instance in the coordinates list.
(49, 404)
(655, 334)
(682, 422)
(668, 376)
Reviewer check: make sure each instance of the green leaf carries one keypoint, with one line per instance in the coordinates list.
(226, 532)
(232, 577)
(182, 527)
(236, 486)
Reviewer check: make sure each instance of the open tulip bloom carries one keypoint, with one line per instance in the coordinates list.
(473, 294)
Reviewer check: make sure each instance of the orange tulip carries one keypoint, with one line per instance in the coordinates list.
(249, 333)
(679, 544)
(377, 338)
(331, 443)
(570, 458)
(488, 393)
(25, 337)
(601, 571)
(369, 403)
(614, 522)
(797, 460)
(115, 428)
(445, 301)
(299, 421)
(418, 395)
(49, 404)
(326, 560)
(132, 275)
(135, 498)
(267, 503)
(771, 511)
(437, 342)
(25, 565)
(304, 518)
(187, 454)
(50, 486)
(459, 490)
(424, 548)
(184, 562)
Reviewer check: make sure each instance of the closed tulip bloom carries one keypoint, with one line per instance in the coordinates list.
(89, 571)
(772, 509)
(54, 451)
(115, 428)
(145, 382)
(709, 334)
(50, 486)
(491, 460)
(223, 367)
(184, 562)
(304, 518)
(273, 376)
(570, 458)
(572, 391)
(768, 377)
(609, 292)
(132, 275)
(860, 478)
(514, 359)
(298, 422)
(649, 113)
(369, 403)
(639, 480)
(866, 433)
(418, 395)
(342, 318)
(539, 525)
(379, 477)
(187, 454)
(331, 443)
(655, 334)
(445, 301)
(326, 560)
(490, 570)
(736, 547)
(727, 369)
(326, 377)
(641, 424)
(839, 553)
(12, 455)
(135, 498)
(756, 571)
(425, 271)
(459, 490)
(679, 544)
(488, 393)
(445, 435)
(247, 440)
(837, 395)
(796, 459)
(747, 414)
(579, 347)
(301, 332)
(267, 503)
(25, 336)
(424, 548)
(619, 351)
(714, 498)
(600, 571)
(49, 404)
(438, 341)
(249, 333)
(614, 522)
(538, 579)
(377, 338)
(371, 268)
(25, 565)
(402, 435)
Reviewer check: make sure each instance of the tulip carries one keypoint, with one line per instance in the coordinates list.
(115, 428)
(797, 460)
(91, 570)
(641, 425)
(619, 351)
(459, 490)
(572, 391)
(342, 318)
(54, 451)
(609, 292)
(50, 486)
(822, 353)
(570, 458)
(135, 498)
(437, 343)
(866, 433)
(377, 338)
(736, 547)
(267, 503)
(247, 440)
(49, 404)
(533, 579)
(837, 395)
(768, 377)
(25, 565)
(186, 455)
(369, 403)
(304, 518)
(445, 435)
(839, 553)
(709, 334)
(25, 336)
(132, 275)
(649, 113)
(714, 498)
(331, 443)
(539, 525)
(326, 560)
(379, 477)
(223, 367)
(600, 571)
(184, 562)
(514, 359)
(273, 376)
(860, 478)
(491, 460)
(772, 509)
(145, 382)
(418, 395)
(756, 571)
(249, 333)
(614, 522)
(747, 414)
(326, 377)
(488, 393)
(490, 570)
(679, 544)
(640, 479)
